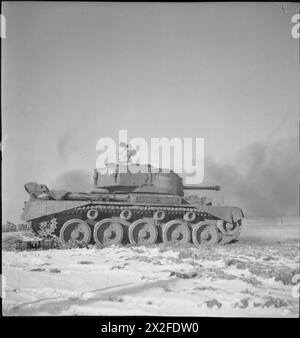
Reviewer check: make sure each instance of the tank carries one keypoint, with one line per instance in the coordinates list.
(131, 204)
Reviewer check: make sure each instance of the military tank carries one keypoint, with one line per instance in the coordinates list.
(131, 203)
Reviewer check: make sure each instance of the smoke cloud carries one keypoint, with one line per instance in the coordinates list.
(69, 144)
(73, 180)
(263, 180)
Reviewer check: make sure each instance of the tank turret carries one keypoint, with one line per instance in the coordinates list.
(142, 179)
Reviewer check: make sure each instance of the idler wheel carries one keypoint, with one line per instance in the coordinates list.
(176, 231)
(142, 232)
(109, 231)
(205, 234)
(75, 230)
(229, 228)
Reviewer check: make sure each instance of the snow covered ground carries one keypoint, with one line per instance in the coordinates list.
(252, 277)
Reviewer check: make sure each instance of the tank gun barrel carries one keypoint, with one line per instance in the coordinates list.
(202, 187)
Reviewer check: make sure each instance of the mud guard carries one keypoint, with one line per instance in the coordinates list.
(38, 208)
(228, 214)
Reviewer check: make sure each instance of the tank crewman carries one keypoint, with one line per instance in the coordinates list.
(95, 176)
(128, 151)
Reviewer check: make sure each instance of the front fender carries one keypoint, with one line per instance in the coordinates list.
(228, 214)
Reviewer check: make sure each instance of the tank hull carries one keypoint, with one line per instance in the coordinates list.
(139, 219)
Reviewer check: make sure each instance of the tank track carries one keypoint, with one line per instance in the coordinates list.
(116, 223)
(139, 209)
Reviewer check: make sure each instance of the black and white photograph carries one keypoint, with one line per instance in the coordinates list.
(150, 160)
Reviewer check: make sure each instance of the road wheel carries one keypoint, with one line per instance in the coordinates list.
(176, 231)
(75, 231)
(142, 232)
(109, 231)
(205, 234)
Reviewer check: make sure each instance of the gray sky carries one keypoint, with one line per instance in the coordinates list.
(75, 72)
